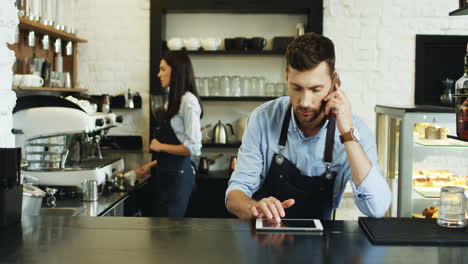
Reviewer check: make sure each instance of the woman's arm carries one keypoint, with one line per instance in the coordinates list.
(179, 150)
(144, 171)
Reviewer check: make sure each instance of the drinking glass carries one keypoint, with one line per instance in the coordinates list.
(245, 86)
(280, 89)
(217, 84)
(213, 89)
(235, 85)
(225, 82)
(452, 207)
(270, 89)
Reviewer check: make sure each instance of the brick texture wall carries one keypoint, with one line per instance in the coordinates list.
(375, 46)
(8, 23)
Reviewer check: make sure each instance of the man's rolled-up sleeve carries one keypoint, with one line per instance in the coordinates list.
(372, 196)
(247, 175)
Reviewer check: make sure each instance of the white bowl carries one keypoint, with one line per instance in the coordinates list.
(175, 43)
(192, 44)
(211, 43)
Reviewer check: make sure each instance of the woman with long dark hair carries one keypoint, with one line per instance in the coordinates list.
(176, 137)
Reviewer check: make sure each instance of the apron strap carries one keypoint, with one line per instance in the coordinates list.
(284, 129)
(329, 142)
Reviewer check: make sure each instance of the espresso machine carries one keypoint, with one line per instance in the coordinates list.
(61, 141)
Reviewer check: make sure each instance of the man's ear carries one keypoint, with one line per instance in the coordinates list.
(286, 71)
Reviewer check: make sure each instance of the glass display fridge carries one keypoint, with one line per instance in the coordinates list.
(418, 155)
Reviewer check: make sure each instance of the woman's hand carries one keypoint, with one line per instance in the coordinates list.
(143, 172)
(156, 145)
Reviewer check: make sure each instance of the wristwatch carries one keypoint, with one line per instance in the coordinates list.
(351, 135)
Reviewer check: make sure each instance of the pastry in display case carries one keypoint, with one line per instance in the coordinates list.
(418, 155)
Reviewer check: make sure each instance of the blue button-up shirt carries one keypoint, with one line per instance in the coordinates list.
(260, 143)
(186, 123)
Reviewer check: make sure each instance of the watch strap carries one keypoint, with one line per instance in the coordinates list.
(348, 136)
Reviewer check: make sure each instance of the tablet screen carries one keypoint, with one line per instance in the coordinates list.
(289, 223)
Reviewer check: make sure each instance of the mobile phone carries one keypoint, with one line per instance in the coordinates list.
(335, 79)
(288, 225)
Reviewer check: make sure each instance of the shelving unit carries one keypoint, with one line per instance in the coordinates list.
(235, 52)
(450, 142)
(159, 9)
(229, 145)
(23, 51)
(37, 27)
(238, 98)
(49, 89)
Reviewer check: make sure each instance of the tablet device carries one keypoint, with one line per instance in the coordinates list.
(294, 225)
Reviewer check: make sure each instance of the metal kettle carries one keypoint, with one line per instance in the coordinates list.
(232, 164)
(220, 133)
(204, 163)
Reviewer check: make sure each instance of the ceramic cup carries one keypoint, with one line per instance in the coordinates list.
(27, 80)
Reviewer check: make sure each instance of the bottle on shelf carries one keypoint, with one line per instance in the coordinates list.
(461, 89)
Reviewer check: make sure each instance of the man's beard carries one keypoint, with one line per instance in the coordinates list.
(311, 121)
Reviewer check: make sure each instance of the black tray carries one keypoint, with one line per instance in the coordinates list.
(411, 231)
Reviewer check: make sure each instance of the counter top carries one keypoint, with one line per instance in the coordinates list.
(164, 240)
(100, 207)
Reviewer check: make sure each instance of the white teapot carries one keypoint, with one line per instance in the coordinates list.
(211, 43)
(192, 43)
(175, 44)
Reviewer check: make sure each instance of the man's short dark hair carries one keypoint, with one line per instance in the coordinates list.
(309, 50)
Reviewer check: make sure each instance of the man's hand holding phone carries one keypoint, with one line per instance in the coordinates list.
(338, 106)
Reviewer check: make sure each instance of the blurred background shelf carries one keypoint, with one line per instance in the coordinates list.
(49, 89)
(230, 145)
(457, 138)
(37, 27)
(238, 98)
(449, 142)
(235, 52)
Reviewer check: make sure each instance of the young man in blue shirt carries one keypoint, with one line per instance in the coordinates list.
(299, 151)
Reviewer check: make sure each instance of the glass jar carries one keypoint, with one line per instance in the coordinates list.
(236, 86)
(245, 86)
(270, 89)
(224, 85)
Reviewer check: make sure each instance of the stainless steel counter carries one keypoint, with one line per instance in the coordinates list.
(108, 204)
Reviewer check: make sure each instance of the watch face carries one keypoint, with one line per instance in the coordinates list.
(356, 134)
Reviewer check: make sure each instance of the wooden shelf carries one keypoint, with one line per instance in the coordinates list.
(459, 12)
(235, 52)
(49, 89)
(26, 24)
(238, 98)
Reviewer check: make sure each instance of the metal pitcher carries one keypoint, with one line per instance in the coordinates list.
(220, 133)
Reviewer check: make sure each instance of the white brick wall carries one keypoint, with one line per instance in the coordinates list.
(375, 44)
(8, 22)
(116, 57)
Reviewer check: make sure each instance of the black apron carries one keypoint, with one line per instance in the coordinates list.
(313, 195)
(172, 179)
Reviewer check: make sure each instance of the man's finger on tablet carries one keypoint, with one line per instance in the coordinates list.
(264, 208)
(288, 203)
(274, 211)
(253, 211)
(279, 207)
